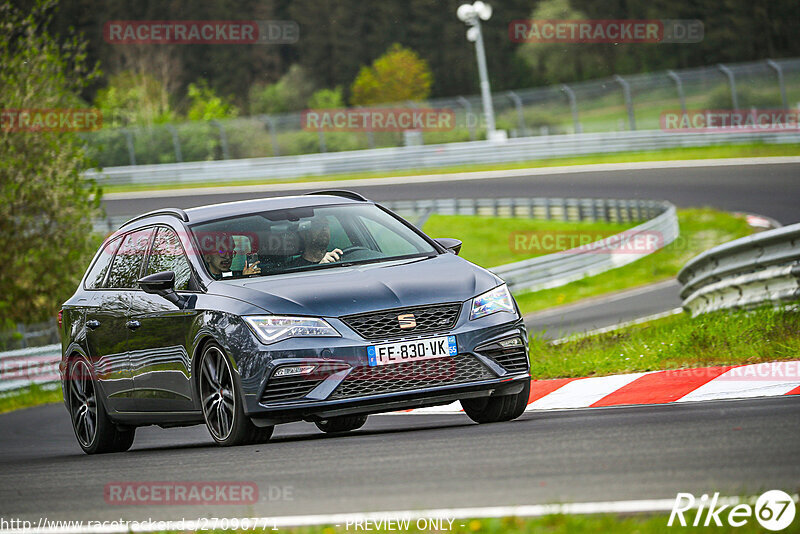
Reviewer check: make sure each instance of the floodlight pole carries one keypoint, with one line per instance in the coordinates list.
(475, 34)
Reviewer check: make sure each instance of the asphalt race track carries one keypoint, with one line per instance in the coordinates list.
(772, 190)
(604, 311)
(401, 462)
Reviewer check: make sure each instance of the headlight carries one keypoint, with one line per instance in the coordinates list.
(496, 300)
(274, 328)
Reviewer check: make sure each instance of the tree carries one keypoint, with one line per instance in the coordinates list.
(563, 62)
(206, 105)
(47, 206)
(326, 99)
(399, 75)
(290, 93)
(134, 99)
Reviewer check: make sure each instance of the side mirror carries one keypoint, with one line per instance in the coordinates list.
(453, 245)
(162, 284)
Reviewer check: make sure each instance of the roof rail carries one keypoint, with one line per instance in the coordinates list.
(344, 193)
(174, 212)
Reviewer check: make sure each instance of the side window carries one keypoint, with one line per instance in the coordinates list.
(167, 255)
(128, 261)
(98, 271)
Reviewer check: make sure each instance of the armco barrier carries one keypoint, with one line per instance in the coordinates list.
(744, 273)
(551, 270)
(23, 367)
(421, 157)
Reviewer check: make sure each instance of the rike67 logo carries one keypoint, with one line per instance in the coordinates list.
(774, 510)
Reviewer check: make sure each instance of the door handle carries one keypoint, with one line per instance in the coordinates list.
(92, 324)
(133, 325)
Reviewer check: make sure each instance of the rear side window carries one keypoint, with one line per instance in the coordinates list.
(97, 273)
(167, 255)
(128, 260)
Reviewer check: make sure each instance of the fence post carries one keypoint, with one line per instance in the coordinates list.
(679, 85)
(370, 134)
(276, 151)
(779, 70)
(520, 117)
(732, 81)
(223, 140)
(468, 107)
(573, 106)
(129, 141)
(626, 91)
(176, 143)
(413, 105)
(322, 146)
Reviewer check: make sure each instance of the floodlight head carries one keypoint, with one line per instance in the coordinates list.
(465, 12)
(483, 10)
(472, 34)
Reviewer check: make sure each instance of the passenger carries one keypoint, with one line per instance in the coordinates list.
(220, 259)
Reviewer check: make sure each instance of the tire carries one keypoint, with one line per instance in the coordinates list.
(221, 402)
(343, 423)
(94, 430)
(495, 409)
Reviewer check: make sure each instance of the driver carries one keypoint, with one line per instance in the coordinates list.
(316, 239)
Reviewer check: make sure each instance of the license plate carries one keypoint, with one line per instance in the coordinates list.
(408, 351)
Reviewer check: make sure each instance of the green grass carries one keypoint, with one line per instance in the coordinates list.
(720, 338)
(726, 151)
(553, 524)
(701, 229)
(26, 397)
(489, 241)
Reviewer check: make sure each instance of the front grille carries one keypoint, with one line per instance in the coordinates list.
(385, 324)
(292, 388)
(513, 360)
(409, 376)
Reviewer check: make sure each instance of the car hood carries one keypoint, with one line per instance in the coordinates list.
(362, 288)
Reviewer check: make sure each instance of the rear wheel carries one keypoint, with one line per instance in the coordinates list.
(342, 423)
(222, 407)
(495, 409)
(96, 433)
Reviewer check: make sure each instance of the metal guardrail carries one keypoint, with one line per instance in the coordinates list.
(744, 273)
(560, 268)
(23, 367)
(421, 157)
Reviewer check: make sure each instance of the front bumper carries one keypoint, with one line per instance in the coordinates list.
(347, 357)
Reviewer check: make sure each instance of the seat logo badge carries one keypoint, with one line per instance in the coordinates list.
(407, 320)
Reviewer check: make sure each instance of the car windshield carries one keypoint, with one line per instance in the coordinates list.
(297, 239)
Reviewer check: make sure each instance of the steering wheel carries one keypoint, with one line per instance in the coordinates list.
(349, 251)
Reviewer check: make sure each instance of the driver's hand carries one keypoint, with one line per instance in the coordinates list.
(332, 256)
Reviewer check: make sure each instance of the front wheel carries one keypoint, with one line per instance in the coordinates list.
(342, 423)
(495, 409)
(96, 433)
(222, 407)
